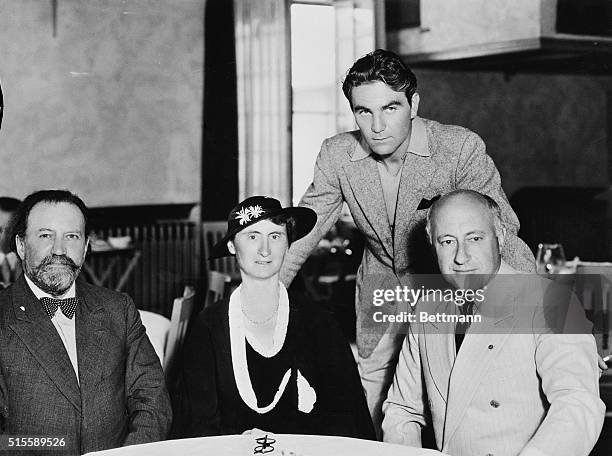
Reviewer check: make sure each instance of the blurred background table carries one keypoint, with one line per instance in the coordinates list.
(109, 266)
(273, 445)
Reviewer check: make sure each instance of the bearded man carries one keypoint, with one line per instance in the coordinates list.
(77, 370)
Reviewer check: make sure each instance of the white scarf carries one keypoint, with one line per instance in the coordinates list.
(238, 335)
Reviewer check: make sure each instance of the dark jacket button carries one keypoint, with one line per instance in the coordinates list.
(490, 347)
(494, 404)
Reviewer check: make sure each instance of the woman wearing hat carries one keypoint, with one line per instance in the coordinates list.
(264, 358)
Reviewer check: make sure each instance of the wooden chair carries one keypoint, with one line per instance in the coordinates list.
(217, 286)
(181, 313)
(213, 232)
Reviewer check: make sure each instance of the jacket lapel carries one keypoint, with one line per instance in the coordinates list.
(417, 174)
(440, 350)
(364, 179)
(474, 358)
(35, 329)
(91, 335)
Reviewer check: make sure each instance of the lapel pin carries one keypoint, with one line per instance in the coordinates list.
(22, 308)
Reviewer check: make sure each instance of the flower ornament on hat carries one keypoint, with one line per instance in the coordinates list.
(256, 209)
(244, 214)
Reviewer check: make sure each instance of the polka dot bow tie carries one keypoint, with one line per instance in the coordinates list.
(68, 306)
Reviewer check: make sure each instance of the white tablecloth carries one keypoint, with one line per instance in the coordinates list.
(285, 445)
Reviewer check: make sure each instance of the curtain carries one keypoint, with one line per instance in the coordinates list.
(264, 98)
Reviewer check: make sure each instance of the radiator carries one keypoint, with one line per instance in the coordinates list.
(169, 260)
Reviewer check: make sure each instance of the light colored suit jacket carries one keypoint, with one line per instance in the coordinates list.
(120, 399)
(507, 392)
(457, 159)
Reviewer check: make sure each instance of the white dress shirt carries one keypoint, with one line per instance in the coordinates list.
(65, 326)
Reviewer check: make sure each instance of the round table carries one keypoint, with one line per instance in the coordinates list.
(269, 444)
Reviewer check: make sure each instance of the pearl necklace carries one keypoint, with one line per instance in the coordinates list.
(238, 349)
(259, 322)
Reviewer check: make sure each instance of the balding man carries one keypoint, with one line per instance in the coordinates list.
(509, 384)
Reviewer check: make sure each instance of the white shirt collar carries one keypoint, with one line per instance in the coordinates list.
(71, 293)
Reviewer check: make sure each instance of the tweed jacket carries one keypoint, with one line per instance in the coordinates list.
(507, 392)
(120, 397)
(457, 159)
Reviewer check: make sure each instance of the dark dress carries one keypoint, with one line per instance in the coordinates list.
(212, 405)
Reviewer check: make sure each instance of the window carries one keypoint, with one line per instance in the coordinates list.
(326, 38)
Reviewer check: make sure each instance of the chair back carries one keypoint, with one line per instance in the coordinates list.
(157, 327)
(217, 285)
(594, 289)
(213, 232)
(181, 312)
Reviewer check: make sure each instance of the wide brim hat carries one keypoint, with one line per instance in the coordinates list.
(258, 208)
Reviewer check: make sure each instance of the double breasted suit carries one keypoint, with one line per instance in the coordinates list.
(120, 397)
(511, 389)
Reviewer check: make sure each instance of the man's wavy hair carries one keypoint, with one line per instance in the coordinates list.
(20, 219)
(380, 65)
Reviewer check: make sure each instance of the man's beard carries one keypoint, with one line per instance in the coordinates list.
(54, 275)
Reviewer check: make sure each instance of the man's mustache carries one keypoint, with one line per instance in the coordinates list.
(59, 260)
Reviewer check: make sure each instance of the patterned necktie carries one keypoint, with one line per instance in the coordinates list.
(68, 306)
(461, 328)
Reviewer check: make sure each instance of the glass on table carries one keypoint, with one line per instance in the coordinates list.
(550, 259)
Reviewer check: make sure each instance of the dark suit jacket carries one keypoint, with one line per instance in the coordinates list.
(122, 398)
